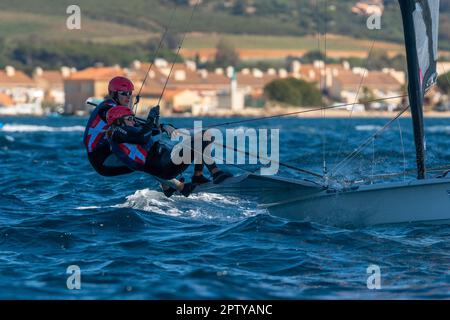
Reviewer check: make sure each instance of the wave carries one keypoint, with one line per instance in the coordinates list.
(215, 206)
(88, 208)
(438, 129)
(36, 128)
(368, 127)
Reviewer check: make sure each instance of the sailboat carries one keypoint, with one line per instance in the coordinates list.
(421, 200)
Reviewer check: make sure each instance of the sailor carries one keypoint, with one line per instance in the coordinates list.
(140, 148)
(97, 146)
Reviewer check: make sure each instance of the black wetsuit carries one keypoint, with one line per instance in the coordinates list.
(97, 146)
(158, 161)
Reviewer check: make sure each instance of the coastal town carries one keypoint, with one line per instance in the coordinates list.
(193, 91)
(190, 88)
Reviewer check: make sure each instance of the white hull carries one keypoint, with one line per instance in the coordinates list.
(416, 201)
(267, 189)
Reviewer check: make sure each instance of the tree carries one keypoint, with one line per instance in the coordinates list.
(366, 97)
(443, 83)
(226, 54)
(3, 53)
(294, 92)
(312, 56)
(239, 8)
(172, 41)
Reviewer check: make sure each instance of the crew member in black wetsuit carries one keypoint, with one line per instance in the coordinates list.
(97, 146)
(139, 148)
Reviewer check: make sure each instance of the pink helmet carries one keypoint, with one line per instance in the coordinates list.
(118, 112)
(120, 84)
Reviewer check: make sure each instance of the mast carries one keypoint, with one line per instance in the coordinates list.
(420, 24)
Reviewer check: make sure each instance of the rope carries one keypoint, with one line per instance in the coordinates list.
(357, 97)
(405, 172)
(296, 112)
(138, 96)
(178, 51)
(282, 164)
(323, 88)
(403, 147)
(355, 152)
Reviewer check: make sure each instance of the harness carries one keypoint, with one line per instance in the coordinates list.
(132, 155)
(94, 134)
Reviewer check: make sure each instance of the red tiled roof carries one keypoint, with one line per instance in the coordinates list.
(250, 80)
(97, 73)
(372, 79)
(5, 100)
(19, 78)
(51, 76)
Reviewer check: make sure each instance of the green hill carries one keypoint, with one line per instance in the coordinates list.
(34, 32)
(110, 19)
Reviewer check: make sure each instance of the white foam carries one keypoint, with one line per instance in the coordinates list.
(198, 206)
(87, 208)
(437, 129)
(368, 127)
(36, 128)
(150, 200)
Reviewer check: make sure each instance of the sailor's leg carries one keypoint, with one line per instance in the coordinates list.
(159, 164)
(217, 174)
(172, 183)
(199, 157)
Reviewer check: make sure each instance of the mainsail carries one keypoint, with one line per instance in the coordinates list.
(420, 24)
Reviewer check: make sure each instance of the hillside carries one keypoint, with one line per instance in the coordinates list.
(34, 32)
(109, 20)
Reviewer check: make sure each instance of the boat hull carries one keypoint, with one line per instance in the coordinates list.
(416, 201)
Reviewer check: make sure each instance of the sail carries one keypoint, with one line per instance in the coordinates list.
(420, 24)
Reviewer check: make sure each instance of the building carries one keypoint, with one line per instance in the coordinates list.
(223, 90)
(20, 87)
(443, 67)
(52, 83)
(349, 86)
(6, 100)
(369, 8)
(90, 83)
(20, 94)
(318, 72)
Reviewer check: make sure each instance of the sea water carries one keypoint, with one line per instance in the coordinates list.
(125, 240)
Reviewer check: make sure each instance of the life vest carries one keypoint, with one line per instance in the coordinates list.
(94, 134)
(132, 155)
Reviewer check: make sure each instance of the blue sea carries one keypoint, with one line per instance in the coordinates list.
(130, 242)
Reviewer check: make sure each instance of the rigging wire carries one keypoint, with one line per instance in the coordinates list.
(355, 152)
(356, 97)
(439, 169)
(403, 148)
(178, 51)
(282, 164)
(222, 124)
(373, 159)
(155, 55)
(322, 84)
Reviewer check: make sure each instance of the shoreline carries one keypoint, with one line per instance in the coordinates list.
(273, 112)
(305, 113)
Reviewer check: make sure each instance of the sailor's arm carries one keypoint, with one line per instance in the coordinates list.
(104, 107)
